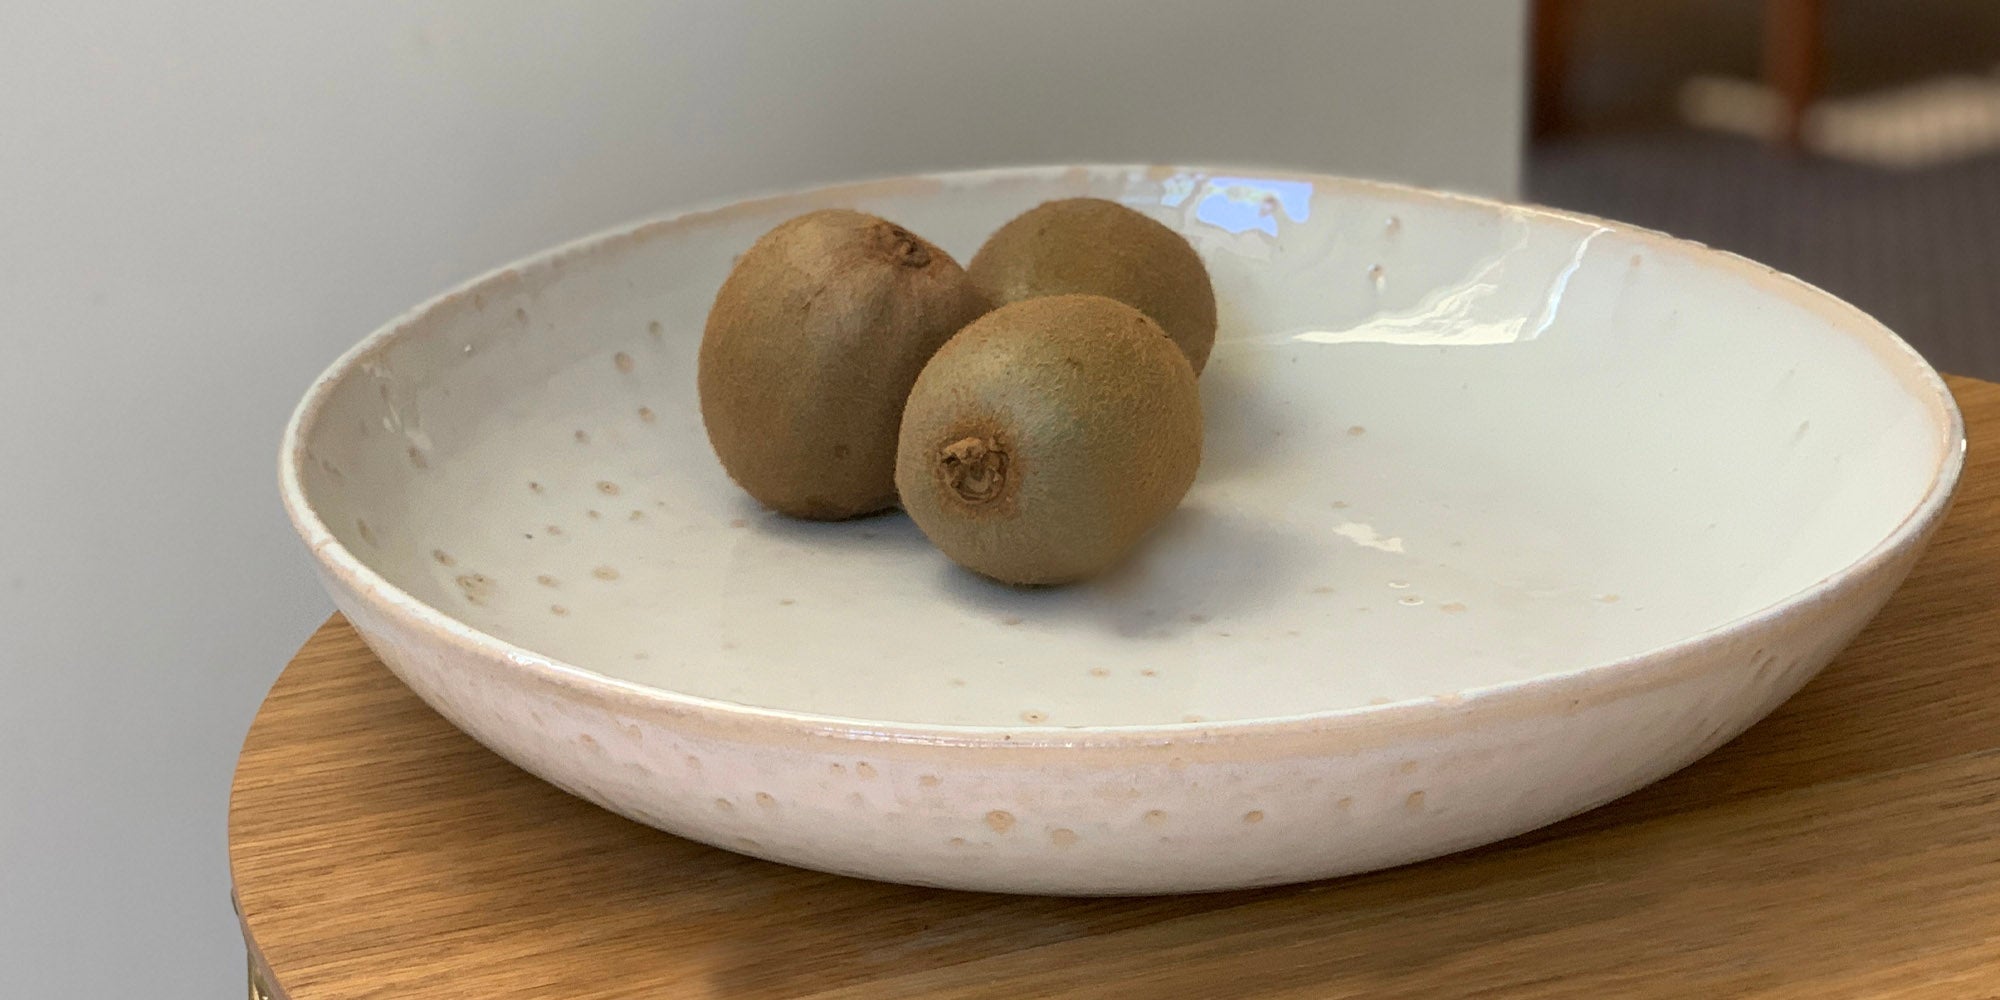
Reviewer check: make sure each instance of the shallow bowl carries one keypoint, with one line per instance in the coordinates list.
(1504, 513)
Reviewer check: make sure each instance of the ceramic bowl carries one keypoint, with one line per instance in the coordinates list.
(1503, 513)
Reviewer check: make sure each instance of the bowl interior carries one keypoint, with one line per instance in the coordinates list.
(1450, 444)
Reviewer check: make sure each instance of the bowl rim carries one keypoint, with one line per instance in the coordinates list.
(1562, 690)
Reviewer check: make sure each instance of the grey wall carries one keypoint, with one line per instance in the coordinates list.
(202, 203)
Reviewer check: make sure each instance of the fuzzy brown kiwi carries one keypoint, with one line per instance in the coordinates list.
(1041, 443)
(1096, 247)
(810, 350)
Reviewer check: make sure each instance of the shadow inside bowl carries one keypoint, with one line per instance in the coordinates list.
(1197, 569)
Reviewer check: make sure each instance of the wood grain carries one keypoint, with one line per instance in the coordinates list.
(1847, 846)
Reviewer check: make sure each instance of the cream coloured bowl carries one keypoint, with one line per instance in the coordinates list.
(1503, 514)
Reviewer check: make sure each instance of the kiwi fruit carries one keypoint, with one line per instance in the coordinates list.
(810, 350)
(1095, 247)
(1041, 443)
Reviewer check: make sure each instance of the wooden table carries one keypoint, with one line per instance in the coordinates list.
(1848, 846)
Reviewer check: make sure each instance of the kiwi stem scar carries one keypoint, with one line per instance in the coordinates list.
(905, 248)
(975, 468)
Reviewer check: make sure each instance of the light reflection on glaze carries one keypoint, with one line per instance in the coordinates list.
(1554, 301)
(1367, 537)
(1240, 204)
(1466, 314)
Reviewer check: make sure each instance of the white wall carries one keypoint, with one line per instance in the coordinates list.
(202, 203)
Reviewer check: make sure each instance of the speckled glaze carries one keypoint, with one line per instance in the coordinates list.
(1503, 514)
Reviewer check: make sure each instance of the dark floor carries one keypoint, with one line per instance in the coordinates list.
(1920, 250)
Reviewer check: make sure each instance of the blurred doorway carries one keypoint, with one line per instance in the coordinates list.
(1852, 143)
